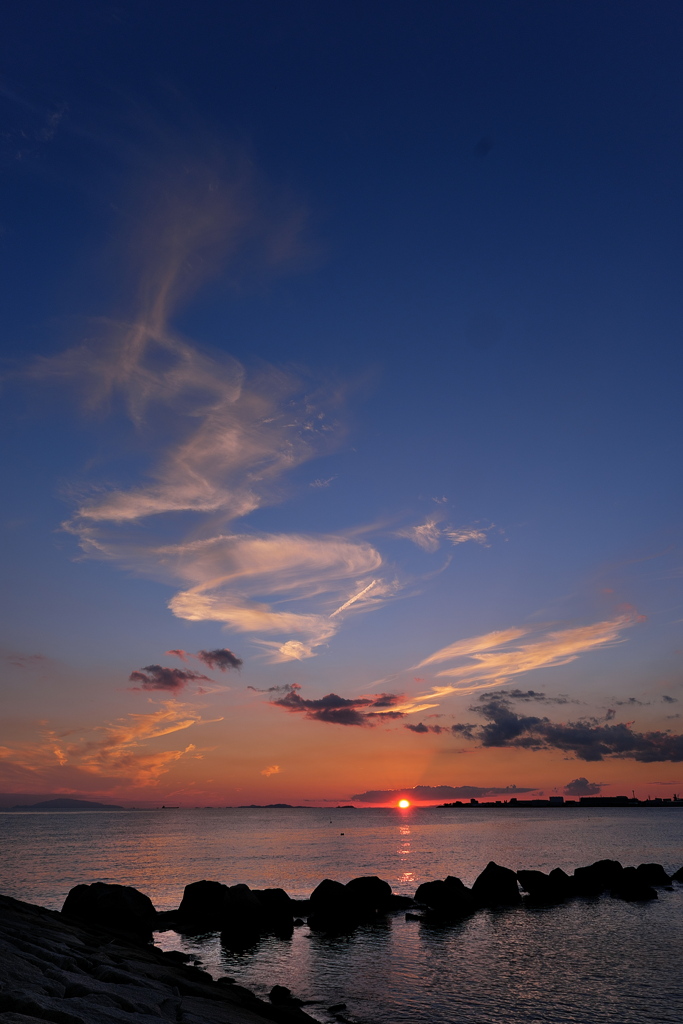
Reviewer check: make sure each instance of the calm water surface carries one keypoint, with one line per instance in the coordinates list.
(588, 961)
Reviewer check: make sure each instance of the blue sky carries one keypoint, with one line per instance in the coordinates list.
(311, 304)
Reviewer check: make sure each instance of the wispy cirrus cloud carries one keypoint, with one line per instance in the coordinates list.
(117, 751)
(429, 534)
(279, 583)
(218, 441)
(494, 658)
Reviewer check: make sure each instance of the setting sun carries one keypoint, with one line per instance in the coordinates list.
(404, 803)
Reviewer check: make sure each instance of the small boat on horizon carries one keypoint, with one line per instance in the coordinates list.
(170, 807)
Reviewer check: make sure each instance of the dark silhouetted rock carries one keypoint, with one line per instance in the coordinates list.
(330, 907)
(280, 995)
(119, 908)
(596, 878)
(203, 904)
(244, 918)
(400, 902)
(278, 911)
(447, 897)
(276, 904)
(369, 895)
(652, 874)
(677, 876)
(496, 886)
(59, 971)
(631, 887)
(328, 896)
(545, 889)
(561, 881)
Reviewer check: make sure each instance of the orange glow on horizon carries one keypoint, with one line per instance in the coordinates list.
(404, 803)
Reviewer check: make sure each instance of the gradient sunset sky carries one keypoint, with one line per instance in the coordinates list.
(342, 400)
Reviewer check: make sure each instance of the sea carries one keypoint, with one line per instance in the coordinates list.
(589, 961)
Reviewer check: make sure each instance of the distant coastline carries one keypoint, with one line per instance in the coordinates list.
(559, 801)
(70, 804)
(66, 804)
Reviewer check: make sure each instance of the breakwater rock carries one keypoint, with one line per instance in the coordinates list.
(242, 915)
(56, 970)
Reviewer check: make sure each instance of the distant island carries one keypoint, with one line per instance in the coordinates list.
(67, 804)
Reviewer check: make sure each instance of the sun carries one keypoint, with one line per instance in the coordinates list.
(404, 803)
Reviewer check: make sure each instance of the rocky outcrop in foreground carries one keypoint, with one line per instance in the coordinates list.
(52, 969)
(94, 963)
(242, 915)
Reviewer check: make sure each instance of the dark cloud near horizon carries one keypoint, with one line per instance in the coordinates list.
(156, 677)
(421, 727)
(530, 695)
(340, 710)
(669, 700)
(221, 658)
(582, 787)
(632, 702)
(589, 739)
(380, 796)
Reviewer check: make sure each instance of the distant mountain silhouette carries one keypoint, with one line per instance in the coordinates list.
(67, 804)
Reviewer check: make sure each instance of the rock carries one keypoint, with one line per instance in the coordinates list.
(677, 876)
(280, 995)
(59, 971)
(369, 895)
(652, 874)
(243, 906)
(545, 889)
(447, 897)
(496, 886)
(561, 881)
(631, 887)
(597, 878)
(328, 896)
(19, 1018)
(400, 902)
(203, 905)
(244, 918)
(330, 908)
(277, 908)
(119, 908)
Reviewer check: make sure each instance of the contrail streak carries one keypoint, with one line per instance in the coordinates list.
(352, 600)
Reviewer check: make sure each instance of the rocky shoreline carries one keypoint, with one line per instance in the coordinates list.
(55, 969)
(94, 962)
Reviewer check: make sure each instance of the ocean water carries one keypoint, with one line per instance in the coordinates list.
(586, 962)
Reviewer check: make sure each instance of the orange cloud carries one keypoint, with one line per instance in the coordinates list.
(114, 750)
(494, 658)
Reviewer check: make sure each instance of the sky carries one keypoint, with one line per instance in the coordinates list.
(341, 372)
